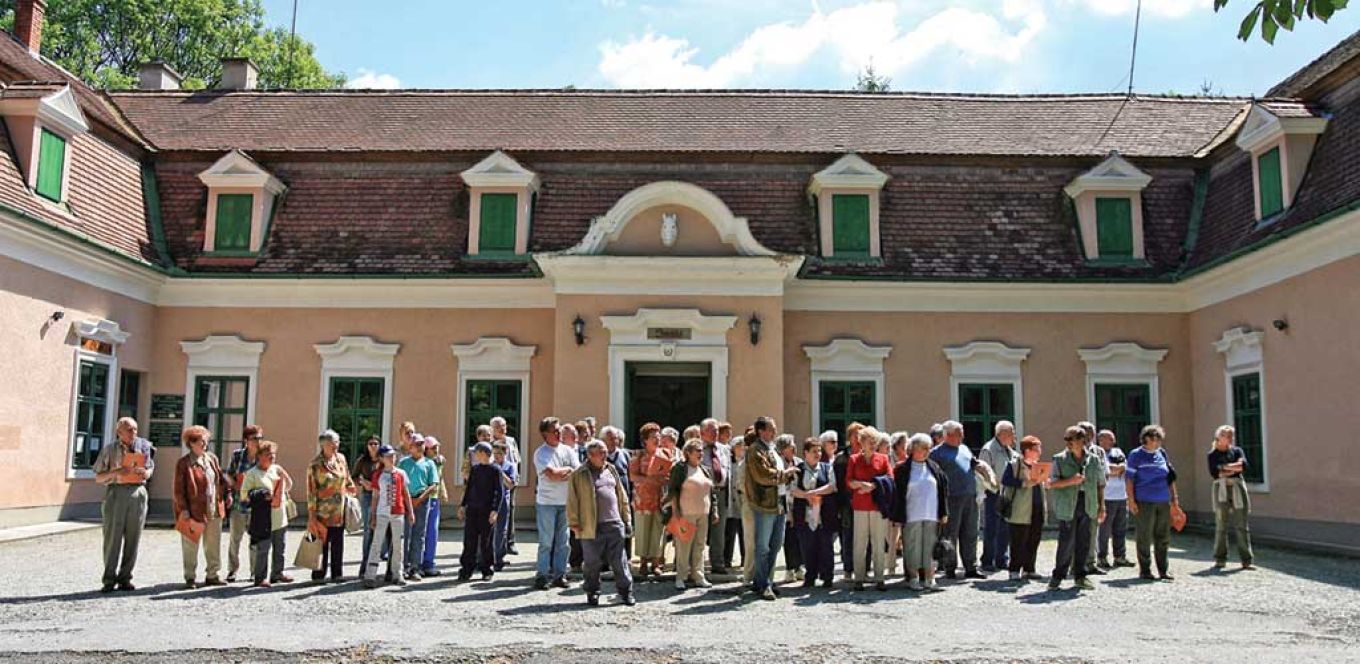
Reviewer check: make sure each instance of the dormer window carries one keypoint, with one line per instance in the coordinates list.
(242, 196)
(1109, 204)
(1279, 136)
(501, 195)
(42, 119)
(846, 195)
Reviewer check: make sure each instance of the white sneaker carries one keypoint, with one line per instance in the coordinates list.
(799, 574)
(788, 576)
(702, 582)
(930, 584)
(915, 585)
(679, 584)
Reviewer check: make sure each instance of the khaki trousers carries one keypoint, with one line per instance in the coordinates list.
(871, 534)
(748, 544)
(240, 524)
(211, 543)
(647, 533)
(689, 556)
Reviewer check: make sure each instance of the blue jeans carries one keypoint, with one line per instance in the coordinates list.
(366, 504)
(769, 540)
(431, 536)
(500, 538)
(415, 540)
(552, 540)
(995, 535)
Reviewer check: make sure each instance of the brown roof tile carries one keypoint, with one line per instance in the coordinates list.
(673, 121)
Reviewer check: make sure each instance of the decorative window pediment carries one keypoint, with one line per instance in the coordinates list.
(1279, 136)
(501, 195)
(847, 198)
(241, 200)
(1109, 204)
(101, 331)
(42, 119)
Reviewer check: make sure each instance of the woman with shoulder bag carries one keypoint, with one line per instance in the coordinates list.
(1022, 505)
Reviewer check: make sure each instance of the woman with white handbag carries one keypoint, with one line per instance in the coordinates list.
(328, 486)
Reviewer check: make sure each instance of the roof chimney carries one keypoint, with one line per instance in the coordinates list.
(28, 22)
(156, 75)
(238, 74)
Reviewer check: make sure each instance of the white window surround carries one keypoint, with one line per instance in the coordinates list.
(1122, 363)
(103, 331)
(27, 111)
(498, 173)
(1114, 177)
(237, 173)
(850, 174)
(1294, 136)
(987, 362)
(222, 355)
(356, 357)
(847, 360)
(491, 358)
(731, 229)
(628, 342)
(1241, 349)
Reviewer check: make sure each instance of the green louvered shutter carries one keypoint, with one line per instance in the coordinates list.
(1270, 185)
(51, 165)
(849, 225)
(233, 222)
(1114, 227)
(498, 223)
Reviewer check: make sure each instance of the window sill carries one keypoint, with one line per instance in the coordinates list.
(1258, 488)
(227, 259)
(79, 474)
(500, 256)
(853, 260)
(1268, 221)
(1118, 262)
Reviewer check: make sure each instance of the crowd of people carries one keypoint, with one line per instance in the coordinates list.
(695, 498)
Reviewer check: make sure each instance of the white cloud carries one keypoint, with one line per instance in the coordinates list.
(368, 79)
(853, 36)
(1159, 8)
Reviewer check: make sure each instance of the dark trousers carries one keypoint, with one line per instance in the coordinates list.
(510, 524)
(717, 532)
(1114, 528)
(818, 558)
(576, 555)
(1153, 536)
(1074, 541)
(1025, 538)
(607, 549)
(847, 542)
(962, 532)
(262, 558)
(793, 552)
(332, 554)
(734, 535)
(478, 543)
(996, 536)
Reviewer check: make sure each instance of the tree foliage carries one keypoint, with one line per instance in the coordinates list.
(869, 80)
(104, 41)
(1276, 14)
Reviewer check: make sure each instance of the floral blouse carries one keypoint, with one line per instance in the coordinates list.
(328, 482)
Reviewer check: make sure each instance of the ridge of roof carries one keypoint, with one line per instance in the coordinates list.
(1322, 66)
(663, 92)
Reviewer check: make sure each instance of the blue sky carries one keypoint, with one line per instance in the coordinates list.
(936, 45)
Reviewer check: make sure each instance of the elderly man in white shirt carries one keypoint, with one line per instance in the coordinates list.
(997, 453)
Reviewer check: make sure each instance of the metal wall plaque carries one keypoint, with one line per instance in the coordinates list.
(164, 433)
(167, 407)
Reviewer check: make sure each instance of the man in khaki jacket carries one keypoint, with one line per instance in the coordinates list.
(598, 514)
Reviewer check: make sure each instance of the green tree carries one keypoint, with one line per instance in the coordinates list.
(870, 81)
(1276, 14)
(104, 41)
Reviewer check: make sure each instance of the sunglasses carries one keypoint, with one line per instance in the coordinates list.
(255, 437)
(372, 443)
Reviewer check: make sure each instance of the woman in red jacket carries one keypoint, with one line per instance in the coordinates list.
(863, 472)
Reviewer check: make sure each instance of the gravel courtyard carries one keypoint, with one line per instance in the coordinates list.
(1296, 607)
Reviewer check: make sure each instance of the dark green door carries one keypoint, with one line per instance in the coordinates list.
(672, 394)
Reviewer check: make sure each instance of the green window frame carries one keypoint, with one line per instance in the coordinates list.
(92, 404)
(496, 229)
(850, 225)
(234, 215)
(841, 402)
(1270, 185)
(981, 406)
(1247, 421)
(1114, 227)
(355, 411)
(221, 403)
(1124, 408)
(487, 398)
(51, 165)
